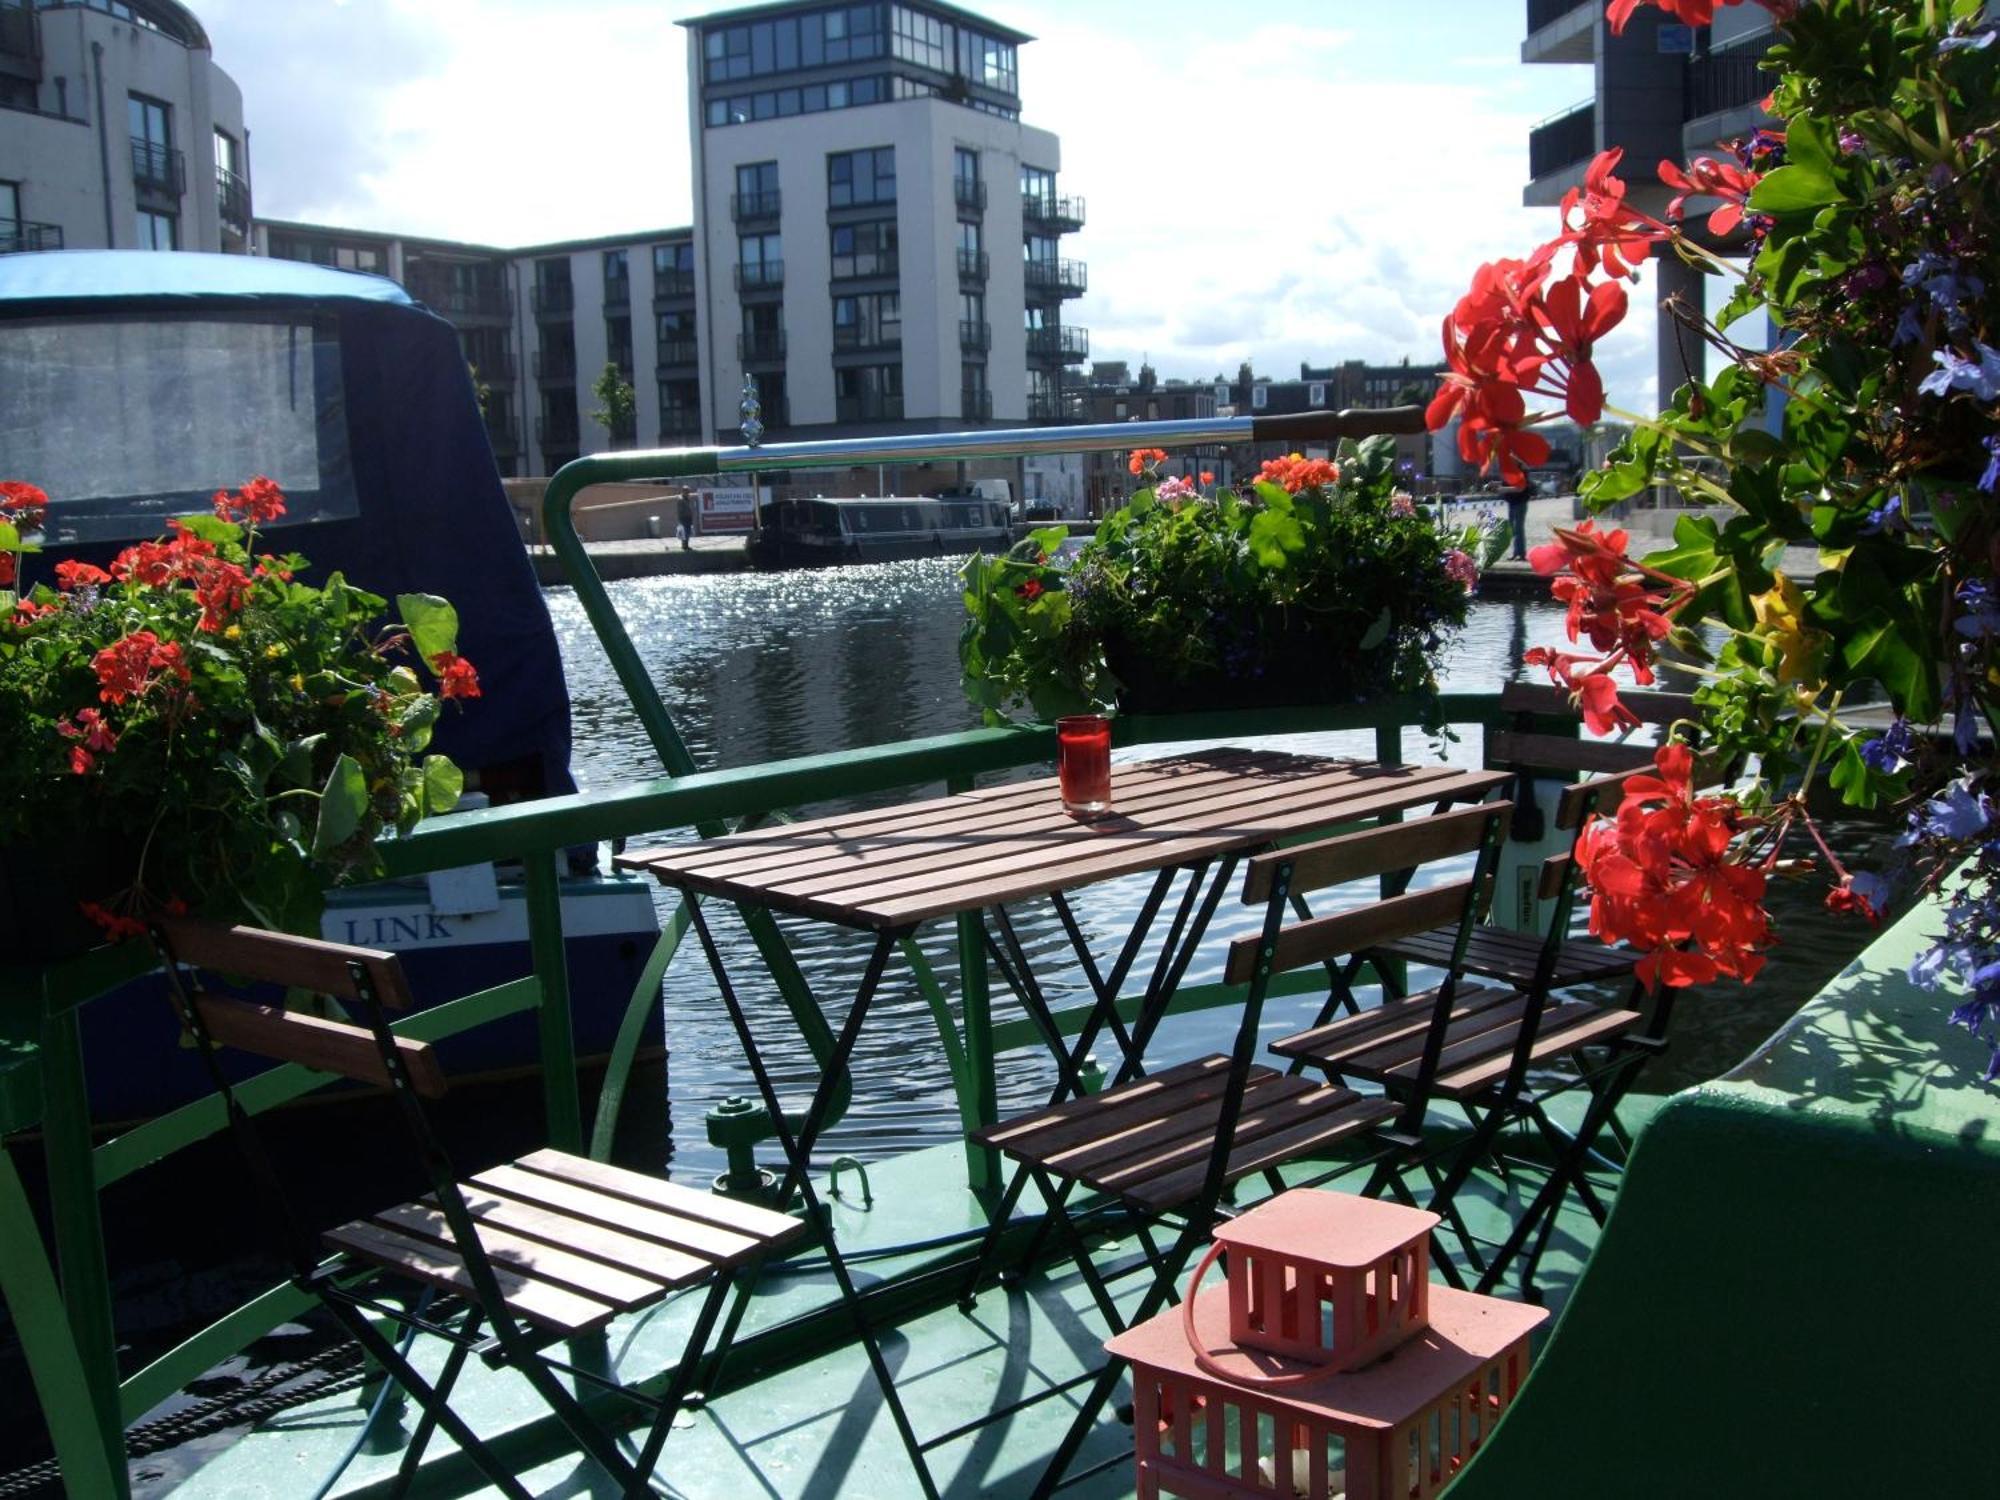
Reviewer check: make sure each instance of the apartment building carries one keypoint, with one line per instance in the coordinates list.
(117, 130)
(877, 236)
(1663, 91)
(540, 323)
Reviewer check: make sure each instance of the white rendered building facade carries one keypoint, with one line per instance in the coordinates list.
(117, 130)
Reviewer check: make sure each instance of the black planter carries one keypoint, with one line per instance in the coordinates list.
(1299, 667)
(42, 884)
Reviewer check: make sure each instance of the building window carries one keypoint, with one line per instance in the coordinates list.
(857, 177)
(675, 257)
(617, 266)
(1260, 397)
(872, 321)
(1316, 394)
(807, 99)
(988, 61)
(756, 191)
(1039, 248)
(676, 334)
(844, 33)
(158, 231)
(923, 39)
(152, 121)
(10, 207)
(760, 261)
(1038, 183)
(1222, 395)
(618, 343)
(864, 249)
(680, 408)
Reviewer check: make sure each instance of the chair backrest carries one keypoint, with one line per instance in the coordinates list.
(1549, 701)
(1355, 856)
(363, 975)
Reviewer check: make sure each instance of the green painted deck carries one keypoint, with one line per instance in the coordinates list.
(818, 1430)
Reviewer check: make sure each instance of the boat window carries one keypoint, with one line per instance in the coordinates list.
(129, 421)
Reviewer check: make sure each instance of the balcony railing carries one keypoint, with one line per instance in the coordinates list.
(671, 285)
(766, 347)
(760, 276)
(1729, 79)
(968, 193)
(157, 168)
(1044, 406)
(556, 431)
(618, 291)
(976, 406)
(866, 267)
(20, 34)
(554, 299)
(868, 408)
(974, 336)
(973, 265)
(554, 365)
(1061, 278)
(17, 235)
(857, 338)
(1066, 344)
(680, 424)
(1547, 12)
(455, 301)
(747, 207)
(679, 352)
(1064, 215)
(1563, 141)
(621, 356)
(233, 196)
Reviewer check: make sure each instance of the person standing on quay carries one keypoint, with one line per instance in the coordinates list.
(1517, 497)
(686, 527)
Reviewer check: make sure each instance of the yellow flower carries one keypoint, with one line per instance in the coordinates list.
(273, 652)
(298, 682)
(233, 633)
(1781, 623)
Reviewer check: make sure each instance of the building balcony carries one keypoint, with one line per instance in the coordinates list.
(494, 369)
(976, 406)
(751, 208)
(1561, 31)
(1562, 141)
(672, 286)
(877, 267)
(868, 409)
(618, 291)
(1046, 406)
(232, 194)
(977, 337)
(1052, 212)
(620, 355)
(766, 348)
(558, 432)
(852, 338)
(555, 299)
(158, 169)
(555, 366)
(453, 301)
(973, 265)
(21, 42)
(500, 430)
(679, 425)
(968, 194)
(17, 235)
(1065, 345)
(1729, 80)
(761, 276)
(1055, 278)
(677, 354)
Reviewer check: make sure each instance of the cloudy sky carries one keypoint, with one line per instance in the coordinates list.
(1284, 181)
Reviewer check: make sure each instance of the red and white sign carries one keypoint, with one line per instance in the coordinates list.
(731, 509)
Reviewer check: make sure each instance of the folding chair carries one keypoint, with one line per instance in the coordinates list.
(1170, 1143)
(540, 1251)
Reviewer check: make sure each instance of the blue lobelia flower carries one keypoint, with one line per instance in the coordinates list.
(1955, 372)
(1979, 611)
(1893, 750)
(1990, 480)
(1977, 41)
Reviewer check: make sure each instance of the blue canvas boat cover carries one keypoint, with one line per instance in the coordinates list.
(133, 384)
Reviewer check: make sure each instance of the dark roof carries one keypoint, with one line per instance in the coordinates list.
(956, 13)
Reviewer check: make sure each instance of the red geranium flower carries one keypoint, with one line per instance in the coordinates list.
(77, 575)
(113, 925)
(129, 666)
(223, 588)
(1295, 472)
(456, 678)
(1143, 459)
(7, 570)
(1706, 177)
(1031, 590)
(23, 505)
(1692, 12)
(259, 501)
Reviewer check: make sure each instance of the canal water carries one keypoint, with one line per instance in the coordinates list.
(758, 667)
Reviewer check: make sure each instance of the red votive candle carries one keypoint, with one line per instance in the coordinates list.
(1083, 763)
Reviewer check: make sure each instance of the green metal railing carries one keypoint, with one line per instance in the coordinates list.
(41, 1067)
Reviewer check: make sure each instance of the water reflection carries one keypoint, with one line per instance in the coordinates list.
(758, 667)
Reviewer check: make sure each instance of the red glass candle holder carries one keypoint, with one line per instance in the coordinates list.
(1083, 764)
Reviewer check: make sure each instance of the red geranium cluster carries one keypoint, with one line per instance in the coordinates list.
(1295, 472)
(130, 665)
(22, 506)
(92, 736)
(221, 586)
(455, 675)
(258, 502)
(1692, 12)
(1706, 177)
(1663, 877)
(1622, 606)
(1143, 459)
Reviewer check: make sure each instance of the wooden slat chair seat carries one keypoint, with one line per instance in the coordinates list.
(1149, 1142)
(545, 1248)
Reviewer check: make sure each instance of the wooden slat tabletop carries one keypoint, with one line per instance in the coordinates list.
(894, 867)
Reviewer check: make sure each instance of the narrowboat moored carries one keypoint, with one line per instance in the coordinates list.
(821, 533)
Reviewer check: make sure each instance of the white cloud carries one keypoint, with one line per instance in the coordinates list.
(1261, 185)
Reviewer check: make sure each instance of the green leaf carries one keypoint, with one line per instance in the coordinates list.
(212, 528)
(444, 783)
(295, 768)
(1794, 189)
(342, 805)
(1274, 534)
(1378, 632)
(1850, 778)
(433, 623)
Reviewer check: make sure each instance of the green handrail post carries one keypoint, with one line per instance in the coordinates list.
(79, 1228)
(558, 1041)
